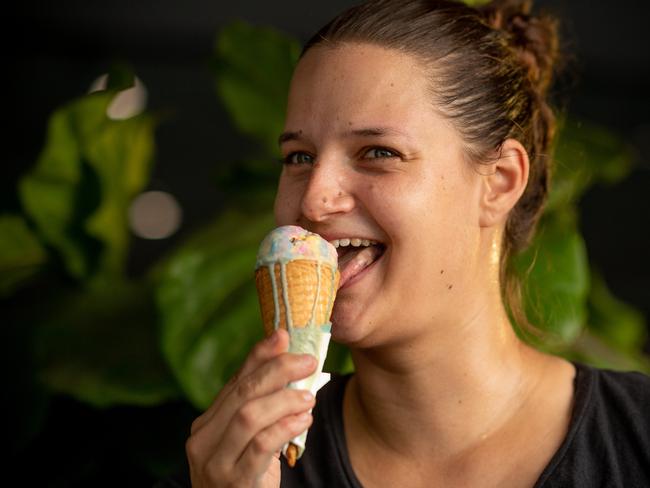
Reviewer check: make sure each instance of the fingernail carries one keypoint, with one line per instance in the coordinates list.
(304, 416)
(273, 338)
(307, 396)
(307, 360)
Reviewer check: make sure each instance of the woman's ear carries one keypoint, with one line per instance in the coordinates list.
(505, 184)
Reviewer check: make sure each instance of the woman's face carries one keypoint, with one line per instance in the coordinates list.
(367, 157)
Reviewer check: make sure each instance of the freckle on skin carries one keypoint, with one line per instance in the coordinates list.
(450, 287)
(324, 199)
(340, 193)
(442, 271)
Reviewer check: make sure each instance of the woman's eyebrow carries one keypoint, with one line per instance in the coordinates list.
(375, 132)
(289, 136)
(365, 132)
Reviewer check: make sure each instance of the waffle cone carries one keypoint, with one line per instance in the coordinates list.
(311, 289)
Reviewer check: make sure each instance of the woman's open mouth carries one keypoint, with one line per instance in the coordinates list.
(355, 256)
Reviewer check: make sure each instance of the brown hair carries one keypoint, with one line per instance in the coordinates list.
(493, 66)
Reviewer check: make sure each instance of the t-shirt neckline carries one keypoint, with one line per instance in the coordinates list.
(582, 384)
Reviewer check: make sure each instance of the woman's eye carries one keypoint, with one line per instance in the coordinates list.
(298, 158)
(379, 153)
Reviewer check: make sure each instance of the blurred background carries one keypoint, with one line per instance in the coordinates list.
(139, 174)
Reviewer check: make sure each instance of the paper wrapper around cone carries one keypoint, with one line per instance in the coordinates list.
(298, 295)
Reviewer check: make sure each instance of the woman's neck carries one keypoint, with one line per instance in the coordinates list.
(446, 393)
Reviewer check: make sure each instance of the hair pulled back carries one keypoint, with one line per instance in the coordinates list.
(490, 69)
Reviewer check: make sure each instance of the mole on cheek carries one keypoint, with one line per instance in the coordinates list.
(450, 287)
(324, 199)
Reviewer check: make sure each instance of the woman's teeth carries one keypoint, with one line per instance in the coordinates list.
(355, 255)
(356, 242)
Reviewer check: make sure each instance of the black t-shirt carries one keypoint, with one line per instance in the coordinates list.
(608, 443)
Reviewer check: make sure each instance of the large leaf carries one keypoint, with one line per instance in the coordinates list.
(586, 154)
(101, 347)
(208, 304)
(617, 323)
(21, 254)
(556, 278)
(78, 193)
(253, 68)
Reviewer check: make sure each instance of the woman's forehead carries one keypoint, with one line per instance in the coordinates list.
(360, 83)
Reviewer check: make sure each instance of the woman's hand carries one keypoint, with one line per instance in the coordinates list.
(237, 441)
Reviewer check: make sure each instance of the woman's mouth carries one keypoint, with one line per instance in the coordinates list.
(356, 255)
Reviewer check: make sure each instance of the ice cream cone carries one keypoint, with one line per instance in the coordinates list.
(310, 292)
(297, 278)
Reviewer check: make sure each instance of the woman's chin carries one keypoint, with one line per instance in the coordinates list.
(343, 326)
(348, 325)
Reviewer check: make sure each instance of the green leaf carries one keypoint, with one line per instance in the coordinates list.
(615, 322)
(21, 254)
(120, 77)
(586, 154)
(101, 347)
(338, 359)
(253, 68)
(208, 304)
(78, 193)
(121, 155)
(555, 272)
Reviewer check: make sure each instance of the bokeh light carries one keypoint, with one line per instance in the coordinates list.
(155, 215)
(127, 103)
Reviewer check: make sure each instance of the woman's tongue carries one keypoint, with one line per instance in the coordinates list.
(356, 260)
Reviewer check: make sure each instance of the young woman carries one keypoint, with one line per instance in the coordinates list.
(423, 125)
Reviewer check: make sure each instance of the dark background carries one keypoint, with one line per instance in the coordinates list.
(59, 48)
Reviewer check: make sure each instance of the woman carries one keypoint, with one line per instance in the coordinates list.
(423, 125)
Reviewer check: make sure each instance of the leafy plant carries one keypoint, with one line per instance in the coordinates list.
(94, 333)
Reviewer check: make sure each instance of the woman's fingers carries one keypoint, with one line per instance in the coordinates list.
(259, 452)
(275, 344)
(271, 377)
(252, 417)
(258, 415)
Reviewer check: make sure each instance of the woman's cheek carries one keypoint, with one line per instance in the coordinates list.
(286, 203)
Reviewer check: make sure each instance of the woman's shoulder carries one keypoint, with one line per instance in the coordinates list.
(619, 393)
(608, 443)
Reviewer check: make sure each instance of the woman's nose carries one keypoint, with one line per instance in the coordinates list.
(325, 195)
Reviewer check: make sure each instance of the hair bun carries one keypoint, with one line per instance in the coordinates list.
(534, 38)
